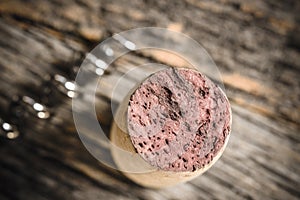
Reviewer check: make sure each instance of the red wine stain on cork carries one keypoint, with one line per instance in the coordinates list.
(178, 120)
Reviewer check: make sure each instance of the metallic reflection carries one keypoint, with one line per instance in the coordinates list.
(65, 86)
(8, 131)
(40, 110)
(126, 43)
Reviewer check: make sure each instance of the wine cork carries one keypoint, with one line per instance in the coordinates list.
(177, 123)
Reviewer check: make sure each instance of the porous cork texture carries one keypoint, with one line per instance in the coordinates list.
(178, 120)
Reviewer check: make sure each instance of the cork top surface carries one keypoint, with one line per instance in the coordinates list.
(178, 119)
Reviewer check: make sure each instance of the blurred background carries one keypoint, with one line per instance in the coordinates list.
(255, 44)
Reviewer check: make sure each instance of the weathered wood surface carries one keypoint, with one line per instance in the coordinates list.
(255, 44)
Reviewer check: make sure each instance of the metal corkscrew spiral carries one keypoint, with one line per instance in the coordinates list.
(53, 88)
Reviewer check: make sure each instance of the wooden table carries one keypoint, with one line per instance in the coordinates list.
(255, 44)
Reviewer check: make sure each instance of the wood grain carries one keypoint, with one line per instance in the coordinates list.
(255, 45)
